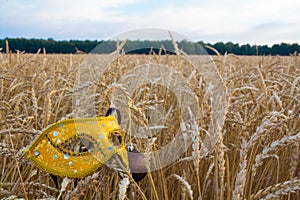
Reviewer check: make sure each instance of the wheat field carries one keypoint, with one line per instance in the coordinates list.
(256, 156)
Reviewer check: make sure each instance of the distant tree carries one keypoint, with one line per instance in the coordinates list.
(71, 46)
(275, 49)
(245, 49)
(295, 48)
(264, 50)
(220, 47)
(236, 49)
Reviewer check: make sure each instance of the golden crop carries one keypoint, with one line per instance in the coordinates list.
(257, 155)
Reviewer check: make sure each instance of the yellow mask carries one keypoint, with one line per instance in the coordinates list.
(56, 150)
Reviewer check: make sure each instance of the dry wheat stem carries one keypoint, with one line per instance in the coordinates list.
(275, 191)
(262, 123)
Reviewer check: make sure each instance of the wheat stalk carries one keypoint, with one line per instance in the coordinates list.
(123, 188)
(278, 190)
(285, 141)
(262, 123)
(187, 186)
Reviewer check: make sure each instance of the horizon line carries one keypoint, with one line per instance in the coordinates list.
(99, 40)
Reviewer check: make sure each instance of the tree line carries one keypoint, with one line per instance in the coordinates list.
(143, 47)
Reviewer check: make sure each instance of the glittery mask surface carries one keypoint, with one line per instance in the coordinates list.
(76, 147)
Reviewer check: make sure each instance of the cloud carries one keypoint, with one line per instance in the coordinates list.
(240, 21)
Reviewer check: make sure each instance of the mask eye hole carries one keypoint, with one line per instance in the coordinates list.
(116, 138)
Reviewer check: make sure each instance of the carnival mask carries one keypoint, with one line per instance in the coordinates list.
(76, 147)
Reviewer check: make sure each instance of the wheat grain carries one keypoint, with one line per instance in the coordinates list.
(221, 165)
(184, 183)
(123, 188)
(261, 124)
(276, 191)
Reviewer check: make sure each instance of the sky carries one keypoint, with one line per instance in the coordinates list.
(248, 21)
